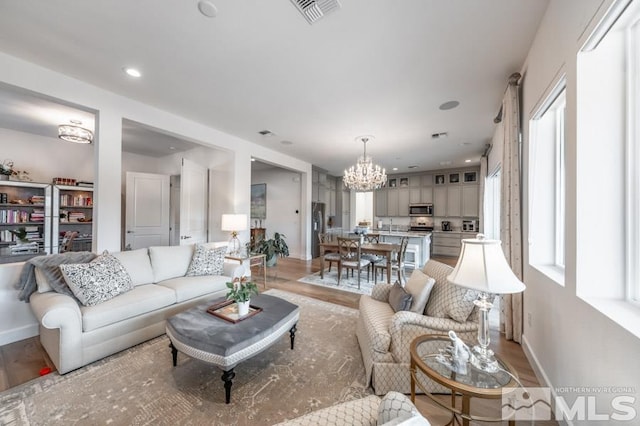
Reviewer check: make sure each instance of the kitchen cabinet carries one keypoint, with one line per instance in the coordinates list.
(426, 195)
(403, 201)
(392, 202)
(381, 202)
(446, 243)
(440, 201)
(414, 181)
(454, 201)
(427, 180)
(470, 201)
(415, 195)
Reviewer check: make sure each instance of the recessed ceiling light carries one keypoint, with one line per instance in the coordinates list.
(449, 105)
(253, 159)
(172, 148)
(132, 72)
(207, 8)
(286, 142)
(394, 169)
(467, 161)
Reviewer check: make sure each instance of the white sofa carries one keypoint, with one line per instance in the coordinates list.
(74, 335)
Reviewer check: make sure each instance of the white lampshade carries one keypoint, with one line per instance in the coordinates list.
(234, 222)
(483, 267)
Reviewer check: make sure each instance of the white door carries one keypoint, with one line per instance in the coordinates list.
(147, 210)
(194, 203)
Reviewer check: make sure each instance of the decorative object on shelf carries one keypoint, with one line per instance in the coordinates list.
(273, 248)
(74, 133)
(234, 223)
(7, 171)
(364, 176)
(21, 235)
(240, 291)
(64, 181)
(483, 267)
(456, 356)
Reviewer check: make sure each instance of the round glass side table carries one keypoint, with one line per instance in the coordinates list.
(474, 384)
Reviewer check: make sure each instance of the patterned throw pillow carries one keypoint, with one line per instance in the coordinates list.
(399, 299)
(207, 261)
(449, 300)
(97, 281)
(395, 405)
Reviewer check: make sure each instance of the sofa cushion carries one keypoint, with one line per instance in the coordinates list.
(97, 281)
(419, 286)
(207, 261)
(170, 261)
(142, 299)
(376, 316)
(399, 299)
(447, 300)
(137, 264)
(395, 405)
(48, 274)
(186, 288)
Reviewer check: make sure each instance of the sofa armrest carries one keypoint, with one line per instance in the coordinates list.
(55, 310)
(381, 291)
(406, 326)
(233, 269)
(362, 411)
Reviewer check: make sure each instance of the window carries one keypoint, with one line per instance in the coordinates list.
(548, 184)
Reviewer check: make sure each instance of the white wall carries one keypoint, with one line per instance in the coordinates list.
(568, 341)
(107, 164)
(45, 158)
(283, 187)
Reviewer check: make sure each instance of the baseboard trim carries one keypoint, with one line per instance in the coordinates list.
(541, 375)
(17, 334)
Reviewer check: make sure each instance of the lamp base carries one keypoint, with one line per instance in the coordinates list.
(234, 245)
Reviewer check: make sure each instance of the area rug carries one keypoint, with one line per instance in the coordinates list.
(346, 284)
(140, 386)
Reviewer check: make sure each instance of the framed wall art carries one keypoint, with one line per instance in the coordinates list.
(259, 201)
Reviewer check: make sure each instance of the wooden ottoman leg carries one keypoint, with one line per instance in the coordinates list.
(227, 377)
(292, 334)
(174, 354)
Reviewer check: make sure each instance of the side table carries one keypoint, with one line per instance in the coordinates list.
(475, 383)
(249, 260)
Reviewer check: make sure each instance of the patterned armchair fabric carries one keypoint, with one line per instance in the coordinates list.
(385, 337)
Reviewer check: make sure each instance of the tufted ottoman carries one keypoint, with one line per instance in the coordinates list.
(203, 336)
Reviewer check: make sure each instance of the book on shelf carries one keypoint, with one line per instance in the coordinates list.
(84, 184)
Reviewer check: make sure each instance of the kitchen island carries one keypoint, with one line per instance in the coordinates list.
(421, 240)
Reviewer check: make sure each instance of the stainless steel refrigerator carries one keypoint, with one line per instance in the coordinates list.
(317, 227)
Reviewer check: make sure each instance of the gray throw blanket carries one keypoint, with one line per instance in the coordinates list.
(49, 265)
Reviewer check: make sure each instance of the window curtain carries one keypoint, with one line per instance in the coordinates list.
(510, 209)
(483, 182)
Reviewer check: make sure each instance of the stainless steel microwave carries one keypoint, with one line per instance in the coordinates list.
(421, 209)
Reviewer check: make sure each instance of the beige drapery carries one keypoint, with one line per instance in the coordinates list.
(510, 209)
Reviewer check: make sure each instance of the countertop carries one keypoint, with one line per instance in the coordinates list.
(414, 234)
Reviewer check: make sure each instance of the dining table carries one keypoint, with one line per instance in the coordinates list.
(380, 249)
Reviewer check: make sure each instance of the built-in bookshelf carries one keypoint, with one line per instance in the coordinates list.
(25, 208)
(73, 212)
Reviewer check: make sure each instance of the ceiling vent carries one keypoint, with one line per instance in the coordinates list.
(314, 10)
(440, 135)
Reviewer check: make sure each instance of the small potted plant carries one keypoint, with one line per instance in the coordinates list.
(273, 248)
(240, 291)
(6, 170)
(21, 235)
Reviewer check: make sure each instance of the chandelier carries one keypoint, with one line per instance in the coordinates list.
(364, 176)
(74, 133)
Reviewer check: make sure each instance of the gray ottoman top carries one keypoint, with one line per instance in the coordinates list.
(200, 330)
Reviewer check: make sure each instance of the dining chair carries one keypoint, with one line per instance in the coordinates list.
(351, 257)
(397, 264)
(331, 257)
(371, 257)
(67, 241)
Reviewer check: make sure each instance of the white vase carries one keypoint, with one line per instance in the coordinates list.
(243, 308)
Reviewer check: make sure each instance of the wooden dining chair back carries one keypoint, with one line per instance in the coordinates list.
(330, 256)
(67, 241)
(372, 258)
(397, 264)
(351, 257)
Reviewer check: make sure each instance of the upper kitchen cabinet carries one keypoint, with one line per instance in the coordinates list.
(440, 201)
(470, 201)
(393, 199)
(454, 201)
(415, 195)
(403, 201)
(380, 197)
(426, 194)
(427, 180)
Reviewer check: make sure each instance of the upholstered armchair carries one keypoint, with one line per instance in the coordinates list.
(385, 336)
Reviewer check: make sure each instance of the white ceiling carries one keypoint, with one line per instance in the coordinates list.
(373, 67)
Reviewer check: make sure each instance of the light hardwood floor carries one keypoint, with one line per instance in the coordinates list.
(22, 361)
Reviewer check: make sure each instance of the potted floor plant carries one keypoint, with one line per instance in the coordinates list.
(273, 248)
(240, 291)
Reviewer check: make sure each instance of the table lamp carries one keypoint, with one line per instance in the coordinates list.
(234, 223)
(482, 266)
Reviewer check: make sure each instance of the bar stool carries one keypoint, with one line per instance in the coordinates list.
(414, 250)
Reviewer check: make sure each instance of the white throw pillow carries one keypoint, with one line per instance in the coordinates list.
(137, 264)
(97, 281)
(170, 261)
(207, 261)
(41, 281)
(419, 286)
